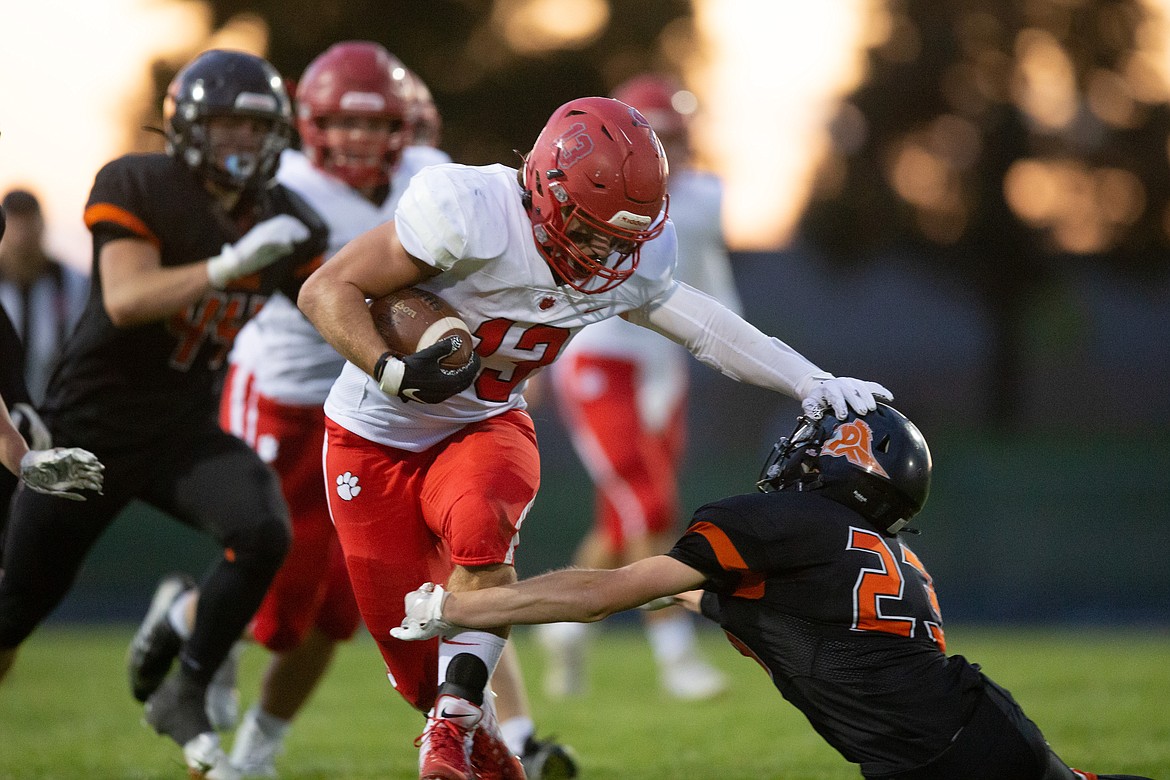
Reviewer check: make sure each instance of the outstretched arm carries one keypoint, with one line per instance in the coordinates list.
(722, 339)
(575, 595)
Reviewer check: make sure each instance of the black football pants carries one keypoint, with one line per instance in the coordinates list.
(206, 479)
(998, 743)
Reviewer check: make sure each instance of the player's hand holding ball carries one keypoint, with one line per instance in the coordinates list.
(430, 356)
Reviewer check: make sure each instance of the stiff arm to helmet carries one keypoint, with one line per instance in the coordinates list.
(722, 339)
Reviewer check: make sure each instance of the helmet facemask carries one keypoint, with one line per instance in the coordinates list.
(365, 157)
(591, 255)
(792, 464)
(230, 163)
(876, 464)
(228, 84)
(354, 114)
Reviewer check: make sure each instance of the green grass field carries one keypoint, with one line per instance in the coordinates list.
(1100, 697)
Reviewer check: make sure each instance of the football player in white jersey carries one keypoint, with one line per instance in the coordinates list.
(622, 393)
(431, 471)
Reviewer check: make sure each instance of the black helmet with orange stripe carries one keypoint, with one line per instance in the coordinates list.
(877, 464)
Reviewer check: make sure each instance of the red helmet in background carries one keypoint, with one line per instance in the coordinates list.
(662, 100)
(426, 122)
(354, 79)
(597, 182)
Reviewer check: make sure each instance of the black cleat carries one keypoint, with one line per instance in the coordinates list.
(177, 709)
(546, 759)
(156, 644)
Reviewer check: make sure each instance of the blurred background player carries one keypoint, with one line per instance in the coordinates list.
(622, 393)
(353, 118)
(811, 579)
(187, 246)
(43, 296)
(426, 124)
(433, 470)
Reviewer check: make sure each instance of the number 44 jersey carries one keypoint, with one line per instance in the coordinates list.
(470, 223)
(117, 387)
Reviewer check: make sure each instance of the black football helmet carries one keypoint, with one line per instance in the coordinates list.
(227, 83)
(877, 464)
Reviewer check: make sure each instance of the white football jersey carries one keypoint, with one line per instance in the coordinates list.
(289, 360)
(703, 263)
(470, 223)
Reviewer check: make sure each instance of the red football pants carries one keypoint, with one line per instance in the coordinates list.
(405, 518)
(634, 469)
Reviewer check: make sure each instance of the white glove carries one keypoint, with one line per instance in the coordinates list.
(825, 391)
(61, 470)
(31, 426)
(261, 246)
(424, 614)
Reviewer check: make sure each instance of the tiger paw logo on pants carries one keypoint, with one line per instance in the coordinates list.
(347, 486)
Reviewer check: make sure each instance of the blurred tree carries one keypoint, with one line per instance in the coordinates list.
(497, 68)
(1003, 140)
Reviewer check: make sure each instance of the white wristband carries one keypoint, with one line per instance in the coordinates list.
(392, 373)
(223, 268)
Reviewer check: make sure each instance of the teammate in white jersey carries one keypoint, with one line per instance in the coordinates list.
(439, 488)
(622, 393)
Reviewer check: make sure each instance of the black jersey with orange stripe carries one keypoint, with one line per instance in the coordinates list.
(115, 387)
(844, 619)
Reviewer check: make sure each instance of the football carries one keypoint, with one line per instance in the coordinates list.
(412, 319)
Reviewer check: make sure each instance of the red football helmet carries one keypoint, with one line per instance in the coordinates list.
(661, 99)
(358, 80)
(596, 178)
(426, 122)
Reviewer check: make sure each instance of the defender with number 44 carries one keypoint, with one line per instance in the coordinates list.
(187, 246)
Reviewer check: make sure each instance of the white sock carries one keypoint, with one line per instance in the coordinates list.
(672, 639)
(516, 732)
(177, 615)
(272, 726)
(484, 646)
(562, 634)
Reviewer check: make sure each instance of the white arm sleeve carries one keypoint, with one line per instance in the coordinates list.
(722, 339)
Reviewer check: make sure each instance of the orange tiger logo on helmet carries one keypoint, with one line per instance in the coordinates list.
(853, 441)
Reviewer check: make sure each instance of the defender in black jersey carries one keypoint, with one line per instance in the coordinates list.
(187, 246)
(811, 579)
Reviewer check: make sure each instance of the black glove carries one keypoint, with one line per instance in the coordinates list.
(420, 377)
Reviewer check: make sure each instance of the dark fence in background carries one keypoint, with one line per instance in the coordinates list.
(1067, 520)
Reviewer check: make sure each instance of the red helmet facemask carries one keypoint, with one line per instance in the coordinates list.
(597, 182)
(357, 80)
